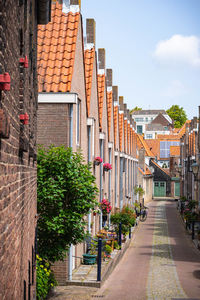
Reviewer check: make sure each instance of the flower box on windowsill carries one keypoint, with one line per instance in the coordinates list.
(107, 167)
(97, 161)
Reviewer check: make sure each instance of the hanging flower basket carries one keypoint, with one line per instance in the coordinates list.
(107, 167)
(105, 207)
(98, 160)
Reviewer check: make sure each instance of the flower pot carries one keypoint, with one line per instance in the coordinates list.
(89, 259)
(97, 163)
(106, 169)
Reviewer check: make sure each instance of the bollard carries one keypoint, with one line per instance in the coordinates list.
(99, 259)
(129, 232)
(192, 230)
(120, 235)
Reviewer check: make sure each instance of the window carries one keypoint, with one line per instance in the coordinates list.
(139, 119)
(156, 184)
(70, 124)
(162, 184)
(78, 123)
(139, 129)
(146, 119)
(89, 143)
(149, 136)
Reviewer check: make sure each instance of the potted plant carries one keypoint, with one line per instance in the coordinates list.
(96, 211)
(90, 257)
(106, 209)
(98, 160)
(107, 167)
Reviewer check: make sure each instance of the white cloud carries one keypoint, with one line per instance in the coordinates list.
(175, 89)
(179, 49)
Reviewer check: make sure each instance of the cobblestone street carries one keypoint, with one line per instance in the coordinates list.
(161, 263)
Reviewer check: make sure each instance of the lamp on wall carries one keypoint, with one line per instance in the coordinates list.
(195, 168)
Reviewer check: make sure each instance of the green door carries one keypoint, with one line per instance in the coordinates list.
(177, 189)
(159, 189)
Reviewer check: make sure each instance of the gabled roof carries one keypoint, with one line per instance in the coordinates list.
(174, 150)
(109, 111)
(149, 112)
(89, 65)
(142, 144)
(56, 50)
(168, 137)
(101, 91)
(161, 119)
(162, 169)
(146, 172)
(121, 128)
(154, 146)
(125, 135)
(116, 110)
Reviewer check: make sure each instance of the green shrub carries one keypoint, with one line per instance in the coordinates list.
(116, 246)
(126, 217)
(66, 194)
(45, 278)
(108, 249)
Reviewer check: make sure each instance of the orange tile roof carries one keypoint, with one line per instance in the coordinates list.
(101, 91)
(115, 124)
(166, 171)
(109, 111)
(142, 144)
(121, 125)
(89, 65)
(146, 171)
(168, 137)
(128, 136)
(154, 146)
(56, 50)
(125, 135)
(174, 150)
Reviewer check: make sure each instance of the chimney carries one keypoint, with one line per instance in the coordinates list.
(91, 31)
(75, 2)
(101, 58)
(141, 159)
(115, 94)
(121, 100)
(195, 122)
(109, 77)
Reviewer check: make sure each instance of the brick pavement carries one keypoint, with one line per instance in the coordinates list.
(161, 263)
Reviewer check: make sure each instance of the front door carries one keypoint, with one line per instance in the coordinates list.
(159, 189)
(177, 189)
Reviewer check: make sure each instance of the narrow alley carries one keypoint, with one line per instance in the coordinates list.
(161, 263)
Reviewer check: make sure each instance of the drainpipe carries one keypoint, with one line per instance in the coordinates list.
(70, 262)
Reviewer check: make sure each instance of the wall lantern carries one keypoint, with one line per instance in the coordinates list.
(195, 168)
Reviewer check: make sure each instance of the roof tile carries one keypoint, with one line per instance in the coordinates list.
(56, 50)
(101, 90)
(109, 110)
(89, 65)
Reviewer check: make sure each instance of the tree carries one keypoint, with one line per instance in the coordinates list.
(135, 109)
(178, 115)
(66, 194)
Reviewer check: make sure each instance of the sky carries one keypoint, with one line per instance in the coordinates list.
(153, 48)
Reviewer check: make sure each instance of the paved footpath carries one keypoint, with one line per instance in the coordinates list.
(161, 262)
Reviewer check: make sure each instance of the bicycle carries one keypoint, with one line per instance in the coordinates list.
(143, 214)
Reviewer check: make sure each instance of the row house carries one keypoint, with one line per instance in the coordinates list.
(18, 124)
(189, 167)
(79, 107)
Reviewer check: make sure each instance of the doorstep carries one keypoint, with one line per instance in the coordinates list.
(86, 275)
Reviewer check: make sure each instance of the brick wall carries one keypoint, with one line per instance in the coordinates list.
(53, 124)
(17, 151)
